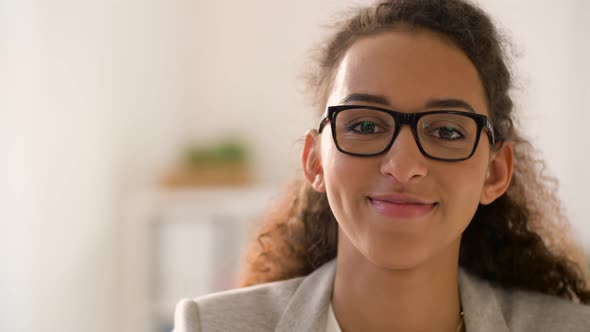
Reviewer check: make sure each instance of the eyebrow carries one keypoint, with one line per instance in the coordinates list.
(431, 103)
(445, 103)
(367, 98)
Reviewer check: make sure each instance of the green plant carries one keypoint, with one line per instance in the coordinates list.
(226, 151)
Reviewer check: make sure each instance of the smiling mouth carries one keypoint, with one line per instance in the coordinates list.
(403, 209)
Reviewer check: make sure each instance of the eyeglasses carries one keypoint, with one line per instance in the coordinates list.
(444, 135)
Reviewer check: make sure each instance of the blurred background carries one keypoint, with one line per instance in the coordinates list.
(135, 132)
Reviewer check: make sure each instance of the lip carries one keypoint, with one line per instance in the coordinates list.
(401, 206)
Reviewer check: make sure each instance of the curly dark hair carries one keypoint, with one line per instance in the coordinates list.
(521, 240)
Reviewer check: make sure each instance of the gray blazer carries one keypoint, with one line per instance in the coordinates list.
(301, 304)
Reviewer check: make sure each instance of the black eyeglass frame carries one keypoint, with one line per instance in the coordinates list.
(411, 119)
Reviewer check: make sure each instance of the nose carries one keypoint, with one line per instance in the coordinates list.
(404, 162)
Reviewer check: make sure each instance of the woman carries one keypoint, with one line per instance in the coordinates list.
(422, 208)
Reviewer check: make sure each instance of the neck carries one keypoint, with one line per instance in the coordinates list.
(371, 298)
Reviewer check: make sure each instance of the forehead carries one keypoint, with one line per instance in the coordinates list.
(408, 68)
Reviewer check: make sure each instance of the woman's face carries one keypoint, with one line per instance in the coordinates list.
(370, 196)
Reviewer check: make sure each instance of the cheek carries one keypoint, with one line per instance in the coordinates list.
(341, 171)
(341, 175)
(335, 170)
(461, 186)
(346, 179)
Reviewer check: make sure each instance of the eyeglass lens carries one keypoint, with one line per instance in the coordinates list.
(441, 135)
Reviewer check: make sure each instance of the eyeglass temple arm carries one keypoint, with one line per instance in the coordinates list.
(491, 134)
(323, 124)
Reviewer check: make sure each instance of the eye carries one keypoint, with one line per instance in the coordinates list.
(448, 133)
(366, 127)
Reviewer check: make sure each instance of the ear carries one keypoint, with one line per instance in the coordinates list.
(312, 165)
(499, 174)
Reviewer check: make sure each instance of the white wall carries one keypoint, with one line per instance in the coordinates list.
(75, 197)
(576, 181)
(102, 94)
(15, 165)
(552, 48)
(196, 70)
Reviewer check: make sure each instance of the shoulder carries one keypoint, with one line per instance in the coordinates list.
(525, 309)
(296, 304)
(256, 308)
(492, 307)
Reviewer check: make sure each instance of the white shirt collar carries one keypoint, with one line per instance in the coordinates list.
(331, 322)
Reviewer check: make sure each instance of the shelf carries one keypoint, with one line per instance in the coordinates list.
(184, 243)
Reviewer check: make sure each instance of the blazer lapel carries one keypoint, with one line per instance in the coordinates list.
(482, 312)
(307, 309)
